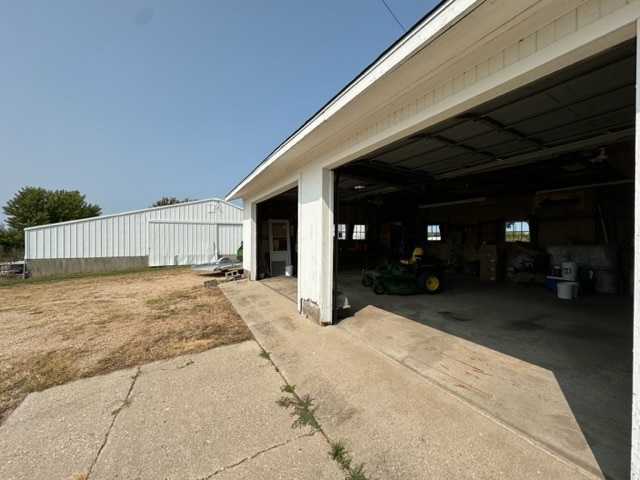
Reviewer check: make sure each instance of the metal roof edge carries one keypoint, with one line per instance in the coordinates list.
(142, 210)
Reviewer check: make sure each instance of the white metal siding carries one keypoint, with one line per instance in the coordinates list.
(113, 236)
(229, 238)
(132, 235)
(190, 243)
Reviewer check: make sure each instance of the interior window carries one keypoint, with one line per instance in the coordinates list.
(517, 231)
(359, 232)
(342, 231)
(433, 233)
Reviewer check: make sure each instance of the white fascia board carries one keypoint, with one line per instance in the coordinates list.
(436, 23)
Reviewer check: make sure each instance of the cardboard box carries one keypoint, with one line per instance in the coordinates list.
(491, 265)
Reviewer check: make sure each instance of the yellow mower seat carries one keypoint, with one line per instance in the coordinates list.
(416, 256)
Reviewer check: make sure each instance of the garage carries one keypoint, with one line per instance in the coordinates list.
(573, 206)
(500, 139)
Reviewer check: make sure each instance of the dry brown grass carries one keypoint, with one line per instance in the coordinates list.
(54, 332)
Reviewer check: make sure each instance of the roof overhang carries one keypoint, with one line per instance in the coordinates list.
(443, 43)
(436, 22)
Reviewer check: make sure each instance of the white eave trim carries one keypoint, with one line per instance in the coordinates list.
(434, 24)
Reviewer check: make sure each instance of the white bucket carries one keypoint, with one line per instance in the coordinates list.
(567, 290)
(288, 270)
(569, 270)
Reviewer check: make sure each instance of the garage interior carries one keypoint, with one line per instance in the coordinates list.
(504, 195)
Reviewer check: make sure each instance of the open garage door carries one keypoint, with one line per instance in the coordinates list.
(538, 179)
(569, 130)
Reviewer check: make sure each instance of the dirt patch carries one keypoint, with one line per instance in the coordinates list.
(58, 331)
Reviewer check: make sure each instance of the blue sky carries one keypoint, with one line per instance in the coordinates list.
(129, 101)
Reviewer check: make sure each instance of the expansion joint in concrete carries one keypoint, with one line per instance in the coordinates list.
(286, 382)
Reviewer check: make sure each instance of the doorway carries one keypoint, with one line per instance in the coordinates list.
(279, 246)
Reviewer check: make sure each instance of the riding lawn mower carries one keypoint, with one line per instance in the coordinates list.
(419, 274)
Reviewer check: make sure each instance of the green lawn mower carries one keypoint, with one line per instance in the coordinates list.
(417, 275)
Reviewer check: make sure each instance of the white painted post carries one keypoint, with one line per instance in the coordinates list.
(315, 244)
(328, 244)
(250, 260)
(635, 415)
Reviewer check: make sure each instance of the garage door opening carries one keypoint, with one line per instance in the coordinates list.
(504, 196)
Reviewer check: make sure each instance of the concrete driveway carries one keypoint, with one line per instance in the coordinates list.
(557, 372)
(407, 400)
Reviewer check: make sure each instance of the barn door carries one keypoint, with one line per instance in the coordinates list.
(279, 246)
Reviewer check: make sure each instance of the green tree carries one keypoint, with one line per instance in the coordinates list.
(8, 239)
(33, 206)
(11, 247)
(164, 201)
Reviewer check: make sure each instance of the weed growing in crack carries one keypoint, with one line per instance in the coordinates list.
(186, 364)
(267, 355)
(288, 389)
(301, 407)
(264, 354)
(340, 455)
(356, 473)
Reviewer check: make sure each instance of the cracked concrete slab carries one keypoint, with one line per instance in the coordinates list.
(297, 460)
(202, 416)
(58, 433)
(392, 419)
(199, 415)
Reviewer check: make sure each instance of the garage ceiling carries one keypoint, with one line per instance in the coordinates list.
(569, 129)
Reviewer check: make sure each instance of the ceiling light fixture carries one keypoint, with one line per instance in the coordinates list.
(601, 156)
(581, 187)
(456, 202)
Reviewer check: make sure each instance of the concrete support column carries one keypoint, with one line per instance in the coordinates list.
(315, 245)
(635, 416)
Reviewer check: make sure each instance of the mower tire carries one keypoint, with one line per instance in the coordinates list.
(429, 283)
(379, 288)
